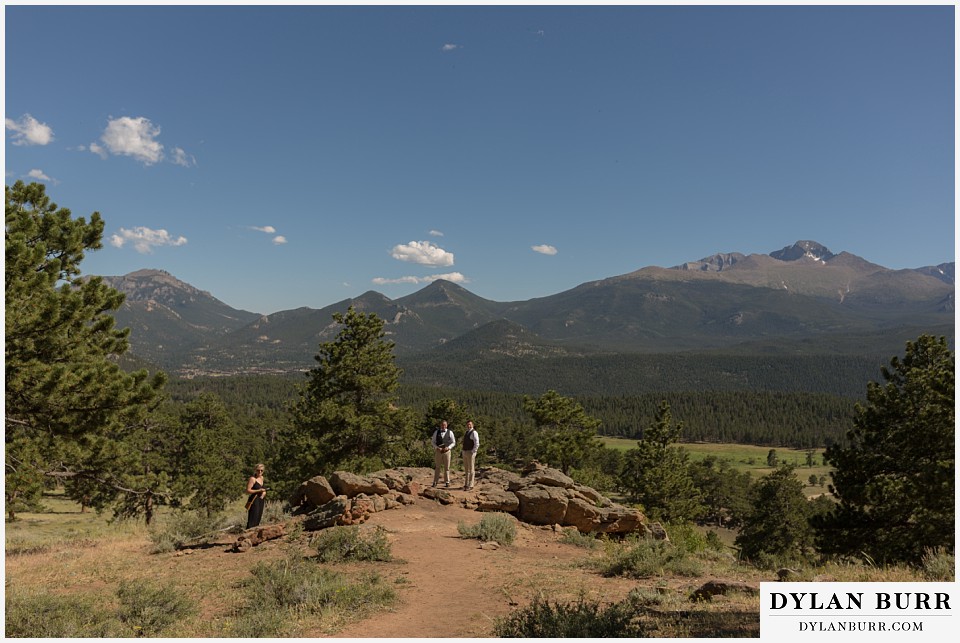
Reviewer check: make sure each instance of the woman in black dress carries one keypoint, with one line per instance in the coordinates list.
(256, 493)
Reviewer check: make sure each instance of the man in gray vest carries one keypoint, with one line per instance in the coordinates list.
(443, 442)
(471, 444)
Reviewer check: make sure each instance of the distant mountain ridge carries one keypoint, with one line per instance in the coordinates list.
(791, 297)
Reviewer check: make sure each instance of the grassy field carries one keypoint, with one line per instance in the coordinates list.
(752, 459)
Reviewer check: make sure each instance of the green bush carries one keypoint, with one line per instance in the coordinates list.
(338, 544)
(574, 537)
(495, 526)
(939, 565)
(184, 527)
(297, 583)
(583, 619)
(43, 616)
(645, 558)
(148, 609)
(257, 622)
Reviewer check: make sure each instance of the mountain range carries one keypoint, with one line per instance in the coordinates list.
(800, 299)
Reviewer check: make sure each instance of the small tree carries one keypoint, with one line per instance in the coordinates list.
(213, 467)
(658, 475)
(346, 416)
(772, 459)
(566, 435)
(895, 476)
(777, 524)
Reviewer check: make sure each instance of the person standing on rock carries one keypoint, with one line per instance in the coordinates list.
(256, 497)
(443, 442)
(471, 444)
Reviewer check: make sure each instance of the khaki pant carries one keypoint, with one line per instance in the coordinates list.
(469, 459)
(441, 460)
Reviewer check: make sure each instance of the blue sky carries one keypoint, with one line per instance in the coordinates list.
(281, 157)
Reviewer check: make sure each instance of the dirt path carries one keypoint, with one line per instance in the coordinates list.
(455, 589)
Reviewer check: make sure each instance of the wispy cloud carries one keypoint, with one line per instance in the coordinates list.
(96, 149)
(449, 47)
(144, 240)
(455, 277)
(279, 240)
(40, 175)
(422, 252)
(182, 158)
(544, 249)
(29, 131)
(436, 233)
(269, 229)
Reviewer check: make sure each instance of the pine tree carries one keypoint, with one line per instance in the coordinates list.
(68, 403)
(658, 476)
(895, 476)
(214, 466)
(776, 528)
(346, 416)
(566, 435)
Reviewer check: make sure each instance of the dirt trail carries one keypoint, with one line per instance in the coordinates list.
(455, 589)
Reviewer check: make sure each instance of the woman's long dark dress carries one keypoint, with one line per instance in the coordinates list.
(255, 513)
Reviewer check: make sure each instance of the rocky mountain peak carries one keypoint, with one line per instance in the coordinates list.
(801, 249)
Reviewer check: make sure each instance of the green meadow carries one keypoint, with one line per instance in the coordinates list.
(749, 458)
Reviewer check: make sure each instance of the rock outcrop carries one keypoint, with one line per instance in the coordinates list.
(539, 496)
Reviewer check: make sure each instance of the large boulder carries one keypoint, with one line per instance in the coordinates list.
(582, 514)
(497, 476)
(491, 498)
(390, 477)
(549, 477)
(621, 520)
(328, 515)
(317, 491)
(350, 484)
(541, 505)
(592, 495)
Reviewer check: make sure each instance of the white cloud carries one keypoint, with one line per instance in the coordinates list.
(422, 252)
(40, 175)
(96, 149)
(182, 158)
(279, 240)
(134, 137)
(436, 233)
(455, 277)
(144, 240)
(544, 249)
(29, 131)
(449, 47)
(269, 229)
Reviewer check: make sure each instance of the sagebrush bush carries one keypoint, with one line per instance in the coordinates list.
(494, 526)
(148, 608)
(645, 558)
(337, 544)
(44, 616)
(297, 583)
(939, 564)
(183, 527)
(582, 619)
(574, 537)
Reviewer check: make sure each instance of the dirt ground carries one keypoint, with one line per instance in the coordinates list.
(446, 585)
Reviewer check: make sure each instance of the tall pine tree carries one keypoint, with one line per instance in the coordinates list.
(68, 403)
(895, 478)
(657, 475)
(346, 416)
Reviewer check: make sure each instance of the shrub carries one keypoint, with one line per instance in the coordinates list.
(495, 526)
(184, 527)
(939, 564)
(338, 544)
(149, 608)
(574, 537)
(44, 616)
(644, 558)
(543, 618)
(256, 622)
(301, 584)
